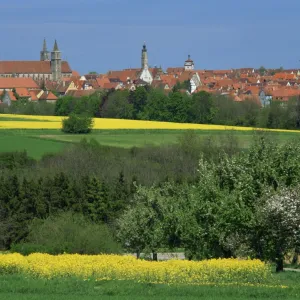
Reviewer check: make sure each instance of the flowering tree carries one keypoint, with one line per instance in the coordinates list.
(280, 220)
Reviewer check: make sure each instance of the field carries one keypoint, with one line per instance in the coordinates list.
(16, 287)
(41, 276)
(39, 135)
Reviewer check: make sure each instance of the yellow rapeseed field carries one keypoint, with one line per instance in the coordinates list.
(117, 267)
(54, 122)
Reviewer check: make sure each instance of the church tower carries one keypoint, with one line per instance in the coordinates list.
(145, 73)
(56, 63)
(144, 56)
(189, 64)
(45, 54)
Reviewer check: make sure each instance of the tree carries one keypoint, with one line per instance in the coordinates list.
(77, 124)
(202, 108)
(280, 219)
(95, 206)
(140, 226)
(117, 106)
(178, 106)
(262, 71)
(156, 107)
(139, 98)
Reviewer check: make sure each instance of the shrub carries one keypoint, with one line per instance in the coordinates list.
(77, 124)
(68, 233)
(28, 248)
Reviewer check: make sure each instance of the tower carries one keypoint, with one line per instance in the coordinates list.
(45, 55)
(144, 56)
(145, 73)
(56, 63)
(189, 64)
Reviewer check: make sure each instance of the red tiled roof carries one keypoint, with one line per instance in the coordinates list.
(254, 89)
(33, 96)
(175, 70)
(22, 92)
(80, 93)
(102, 81)
(110, 85)
(124, 75)
(11, 82)
(48, 96)
(30, 67)
(75, 73)
(285, 94)
(284, 76)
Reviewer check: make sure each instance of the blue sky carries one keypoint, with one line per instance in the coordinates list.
(102, 35)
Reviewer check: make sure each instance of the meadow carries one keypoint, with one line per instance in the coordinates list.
(41, 134)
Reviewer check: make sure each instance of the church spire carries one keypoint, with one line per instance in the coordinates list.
(44, 45)
(45, 55)
(55, 48)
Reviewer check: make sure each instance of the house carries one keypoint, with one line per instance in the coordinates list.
(48, 97)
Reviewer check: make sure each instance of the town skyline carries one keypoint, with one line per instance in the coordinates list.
(138, 65)
(107, 35)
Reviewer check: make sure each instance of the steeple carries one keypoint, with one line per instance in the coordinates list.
(45, 55)
(45, 45)
(56, 63)
(144, 57)
(55, 48)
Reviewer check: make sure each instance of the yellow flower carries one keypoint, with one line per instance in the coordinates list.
(114, 267)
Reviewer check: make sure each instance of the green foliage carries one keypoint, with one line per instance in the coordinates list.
(117, 106)
(77, 124)
(90, 105)
(202, 108)
(70, 233)
(138, 98)
(14, 160)
(262, 71)
(25, 107)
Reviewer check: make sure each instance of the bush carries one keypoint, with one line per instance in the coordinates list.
(27, 248)
(77, 124)
(67, 233)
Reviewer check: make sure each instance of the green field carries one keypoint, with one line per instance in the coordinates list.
(16, 287)
(37, 142)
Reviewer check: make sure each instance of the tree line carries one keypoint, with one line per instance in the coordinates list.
(147, 103)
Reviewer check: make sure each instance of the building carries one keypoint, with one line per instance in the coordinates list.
(50, 66)
(189, 64)
(145, 75)
(9, 84)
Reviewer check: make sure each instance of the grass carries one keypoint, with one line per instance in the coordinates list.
(17, 287)
(37, 142)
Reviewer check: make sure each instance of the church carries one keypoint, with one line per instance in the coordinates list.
(49, 67)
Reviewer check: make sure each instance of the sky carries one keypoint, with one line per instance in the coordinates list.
(103, 35)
